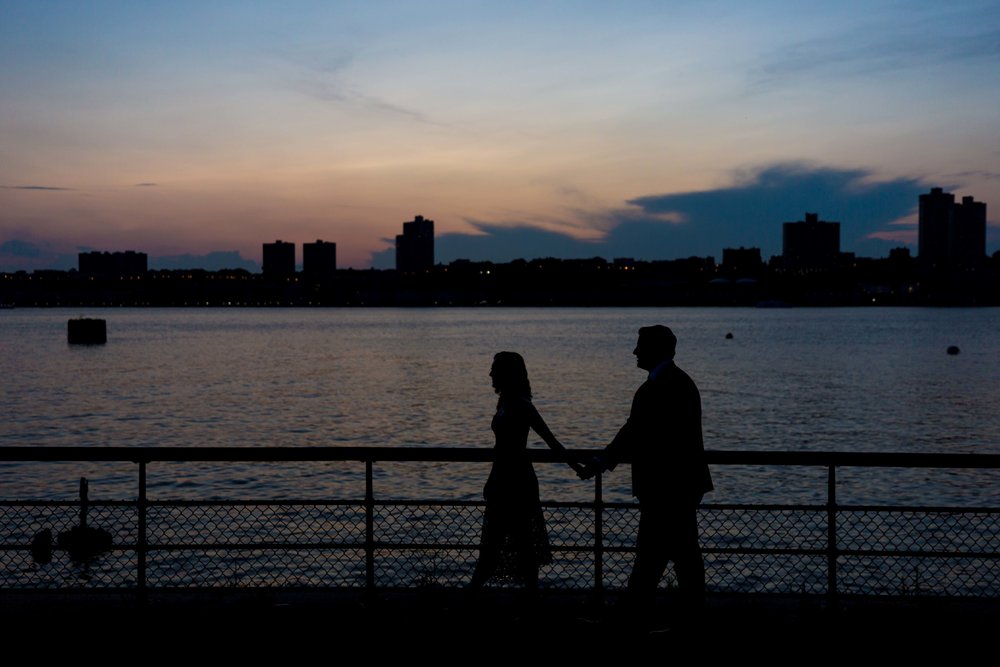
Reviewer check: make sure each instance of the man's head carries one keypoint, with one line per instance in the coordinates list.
(656, 344)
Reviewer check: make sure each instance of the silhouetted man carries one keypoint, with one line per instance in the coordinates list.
(662, 437)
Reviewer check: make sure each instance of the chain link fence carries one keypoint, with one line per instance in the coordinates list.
(815, 549)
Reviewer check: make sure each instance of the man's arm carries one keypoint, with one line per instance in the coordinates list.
(620, 446)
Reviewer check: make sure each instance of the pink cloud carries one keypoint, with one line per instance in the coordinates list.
(908, 236)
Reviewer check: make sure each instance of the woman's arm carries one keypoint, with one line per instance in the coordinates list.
(542, 429)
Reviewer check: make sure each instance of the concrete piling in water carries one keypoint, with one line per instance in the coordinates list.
(87, 331)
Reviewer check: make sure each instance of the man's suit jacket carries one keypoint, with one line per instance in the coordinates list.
(662, 438)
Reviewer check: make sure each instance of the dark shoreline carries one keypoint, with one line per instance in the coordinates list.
(692, 282)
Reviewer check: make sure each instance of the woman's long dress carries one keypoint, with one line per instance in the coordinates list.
(513, 524)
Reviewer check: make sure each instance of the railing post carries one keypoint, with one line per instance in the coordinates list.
(369, 529)
(831, 531)
(142, 540)
(598, 538)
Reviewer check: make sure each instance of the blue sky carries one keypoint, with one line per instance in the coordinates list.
(644, 129)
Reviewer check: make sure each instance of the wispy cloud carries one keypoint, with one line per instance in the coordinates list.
(20, 254)
(352, 97)
(980, 173)
(327, 79)
(908, 236)
(881, 48)
(34, 187)
(19, 248)
(146, 185)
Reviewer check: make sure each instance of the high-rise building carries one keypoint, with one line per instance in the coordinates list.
(933, 227)
(279, 259)
(415, 246)
(951, 235)
(811, 243)
(319, 260)
(113, 264)
(968, 233)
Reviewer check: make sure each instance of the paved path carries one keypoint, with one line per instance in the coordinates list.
(447, 625)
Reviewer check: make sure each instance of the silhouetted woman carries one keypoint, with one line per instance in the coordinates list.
(514, 541)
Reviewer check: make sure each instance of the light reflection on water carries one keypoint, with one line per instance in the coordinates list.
(817, 379)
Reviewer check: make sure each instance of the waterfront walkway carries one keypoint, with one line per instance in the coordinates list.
(821, 580)
(445, 624)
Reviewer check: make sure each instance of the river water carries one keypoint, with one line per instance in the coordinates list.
(788, 379)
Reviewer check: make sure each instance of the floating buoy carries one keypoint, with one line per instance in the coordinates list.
(87, 331)
(953, 350)
(729, 336)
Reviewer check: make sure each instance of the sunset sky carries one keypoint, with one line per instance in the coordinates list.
(652, 130)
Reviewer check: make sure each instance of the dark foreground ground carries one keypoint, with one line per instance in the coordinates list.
(446, 626)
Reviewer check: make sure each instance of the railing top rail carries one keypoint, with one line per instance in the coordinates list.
(477, 454)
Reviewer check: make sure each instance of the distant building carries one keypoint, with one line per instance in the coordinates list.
(933, 225)
(741, 260)
(811, 243)
(279, 259)
(415, 246)
(319, 260)
(968, 233)
(951, 235)
(899, 255)
(113, 264)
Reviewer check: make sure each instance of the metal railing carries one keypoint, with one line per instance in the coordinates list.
(374, 541)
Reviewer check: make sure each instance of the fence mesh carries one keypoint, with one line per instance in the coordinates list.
(753, 549)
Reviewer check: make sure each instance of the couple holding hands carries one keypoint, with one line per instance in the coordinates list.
(662, 439)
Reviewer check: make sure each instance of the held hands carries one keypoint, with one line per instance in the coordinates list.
(592, 467)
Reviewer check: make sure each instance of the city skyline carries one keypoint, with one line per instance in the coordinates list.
(808, 243)
(570, 130)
